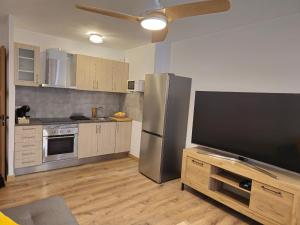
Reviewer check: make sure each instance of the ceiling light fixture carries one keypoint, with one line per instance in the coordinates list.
(96, 38)
(156, 22)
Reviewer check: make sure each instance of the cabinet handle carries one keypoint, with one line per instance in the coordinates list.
(28, 137)
(26, 146)
(28, 153)
(28, 128)
(271, 191)
(97, 84)
(197, 163)
(99, 128)
(96, 129)
(31, 161)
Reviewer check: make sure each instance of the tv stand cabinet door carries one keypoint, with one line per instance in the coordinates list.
(297, 210)
(196, 173)
(271, 202)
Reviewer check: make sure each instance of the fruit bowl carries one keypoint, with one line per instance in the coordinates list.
(120, 115)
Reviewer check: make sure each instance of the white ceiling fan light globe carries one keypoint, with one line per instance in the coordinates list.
(154, 23)
(96, 38)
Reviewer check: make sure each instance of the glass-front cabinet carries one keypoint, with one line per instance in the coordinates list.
(27, 65)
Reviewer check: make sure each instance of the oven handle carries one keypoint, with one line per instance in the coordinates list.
(60, 137)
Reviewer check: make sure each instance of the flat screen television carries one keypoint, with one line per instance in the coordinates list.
(259, 126)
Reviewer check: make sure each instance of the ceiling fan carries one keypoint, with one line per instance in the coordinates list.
(157, 20)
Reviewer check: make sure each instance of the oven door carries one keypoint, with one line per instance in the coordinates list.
(59, 147)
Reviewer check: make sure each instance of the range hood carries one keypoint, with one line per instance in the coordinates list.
(60, 71)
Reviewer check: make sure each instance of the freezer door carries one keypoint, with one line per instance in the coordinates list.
(155, 98)
(150, 156)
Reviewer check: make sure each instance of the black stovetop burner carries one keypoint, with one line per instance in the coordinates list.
(79, 117)
(63, 120)
(55, 120)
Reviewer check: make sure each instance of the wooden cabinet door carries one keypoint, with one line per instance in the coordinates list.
(104, 76)
(271, 202)
(28, 146)
(27, 65)
(87, 140)
(106, 138)
(123, 136)
(120, 76)
(196, 173)
(297, 210)
(83, 72)
(92, 78)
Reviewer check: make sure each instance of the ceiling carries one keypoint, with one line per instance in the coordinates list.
(60, 18)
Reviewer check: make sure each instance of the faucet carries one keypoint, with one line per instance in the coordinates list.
(95, 111)
(101, 109)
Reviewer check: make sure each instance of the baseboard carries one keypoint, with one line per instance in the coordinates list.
(10, 178)
(69, 163)
(133, 157)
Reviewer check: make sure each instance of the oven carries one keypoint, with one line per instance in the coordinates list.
(60, 142)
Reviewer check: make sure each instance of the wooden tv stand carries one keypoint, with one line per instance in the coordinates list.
(270, 200)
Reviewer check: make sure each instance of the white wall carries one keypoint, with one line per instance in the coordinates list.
(162, 57)
(141, 61)
(262, 57)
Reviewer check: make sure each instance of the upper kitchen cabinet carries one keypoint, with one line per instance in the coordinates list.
(27, 65)
(104, 75)
(98, 74)
(120, 76)
(83, 79)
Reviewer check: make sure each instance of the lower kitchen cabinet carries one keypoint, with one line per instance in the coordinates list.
(106, 138)
(96, 139)
(28, 146)
(123, 136)
(87, 140)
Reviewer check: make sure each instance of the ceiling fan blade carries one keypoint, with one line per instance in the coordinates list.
(109, 13)
(160, 35)
(196, 8)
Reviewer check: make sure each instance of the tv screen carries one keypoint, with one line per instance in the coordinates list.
(260, 126)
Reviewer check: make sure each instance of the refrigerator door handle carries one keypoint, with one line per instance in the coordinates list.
(154, 134)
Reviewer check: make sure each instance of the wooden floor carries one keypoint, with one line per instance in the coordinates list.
(114, 193)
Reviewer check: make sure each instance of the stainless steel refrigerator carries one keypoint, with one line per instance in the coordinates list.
(165, 116)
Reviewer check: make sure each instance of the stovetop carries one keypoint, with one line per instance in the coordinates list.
(56, 120)
(63, 120)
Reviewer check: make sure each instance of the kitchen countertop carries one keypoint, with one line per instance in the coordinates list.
(39, 121)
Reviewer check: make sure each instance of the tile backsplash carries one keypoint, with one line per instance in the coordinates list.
(56, 102)
(132, 104)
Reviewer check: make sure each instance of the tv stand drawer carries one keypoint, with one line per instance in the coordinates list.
(271, 202)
